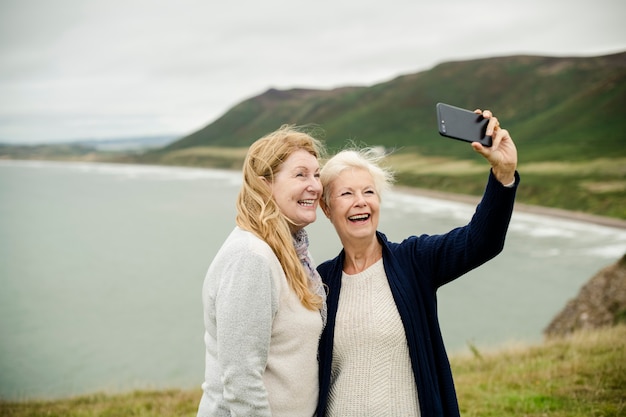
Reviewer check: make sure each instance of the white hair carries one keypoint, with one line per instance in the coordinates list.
(367, 159)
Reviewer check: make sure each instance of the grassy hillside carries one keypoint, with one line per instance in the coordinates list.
(566, 116)
(556, 108)
(581, 376)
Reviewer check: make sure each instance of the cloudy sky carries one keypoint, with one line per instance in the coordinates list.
(77, 69)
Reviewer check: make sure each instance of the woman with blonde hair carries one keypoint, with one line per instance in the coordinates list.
(264, 303)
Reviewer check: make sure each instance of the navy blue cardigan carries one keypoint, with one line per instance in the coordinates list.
(415, 269)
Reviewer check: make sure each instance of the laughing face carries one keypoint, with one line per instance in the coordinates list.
(354, 205)
(297, 189)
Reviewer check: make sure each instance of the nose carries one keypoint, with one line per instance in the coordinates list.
(315, 185)
(360, 200)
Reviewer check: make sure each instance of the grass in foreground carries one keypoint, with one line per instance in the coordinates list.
(168, 403)
(583, 375)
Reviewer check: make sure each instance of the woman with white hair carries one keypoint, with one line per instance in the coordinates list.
(382, 352)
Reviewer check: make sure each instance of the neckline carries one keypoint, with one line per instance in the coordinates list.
(365, 271)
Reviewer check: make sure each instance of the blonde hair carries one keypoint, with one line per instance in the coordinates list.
(258, 212)
(367, 159)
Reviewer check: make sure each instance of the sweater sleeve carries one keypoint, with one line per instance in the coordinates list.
(451, 255)
(245, 307)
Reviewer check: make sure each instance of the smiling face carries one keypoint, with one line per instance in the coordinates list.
(297, 189)
(354, 205)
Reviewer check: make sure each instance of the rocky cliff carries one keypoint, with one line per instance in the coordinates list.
(600, 302)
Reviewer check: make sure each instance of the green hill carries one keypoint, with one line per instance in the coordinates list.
(565, 114)
(556, 108)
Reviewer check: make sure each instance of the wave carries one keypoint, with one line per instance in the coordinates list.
(590, 239)
(135, 171)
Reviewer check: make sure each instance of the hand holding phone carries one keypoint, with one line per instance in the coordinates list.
(461, 124)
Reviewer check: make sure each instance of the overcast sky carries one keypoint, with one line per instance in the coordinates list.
(77, 69)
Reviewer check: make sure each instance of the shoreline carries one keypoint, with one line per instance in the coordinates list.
(424, 192)
(520, 207)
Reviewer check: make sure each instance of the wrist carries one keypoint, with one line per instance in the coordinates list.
(510, 184)
(506, 178)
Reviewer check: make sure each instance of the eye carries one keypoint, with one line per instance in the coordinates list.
(370, 192)
(345, 193)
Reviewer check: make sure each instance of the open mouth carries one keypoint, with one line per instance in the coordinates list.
(359, 217)
(306, 203)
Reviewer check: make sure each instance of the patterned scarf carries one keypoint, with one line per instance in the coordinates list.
(301, 243)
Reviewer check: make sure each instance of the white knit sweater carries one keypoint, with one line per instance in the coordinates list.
(261, 342)
(371, 368)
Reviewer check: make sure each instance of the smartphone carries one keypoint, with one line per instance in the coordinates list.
(462, 124)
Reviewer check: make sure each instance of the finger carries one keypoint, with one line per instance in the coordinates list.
(487, 114)
(493, 125)
(479, 148)
(498, 137)
(478, 111)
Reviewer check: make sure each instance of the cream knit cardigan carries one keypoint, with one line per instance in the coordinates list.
(261, 342)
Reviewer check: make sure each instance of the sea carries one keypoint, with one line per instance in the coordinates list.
(101, 269)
